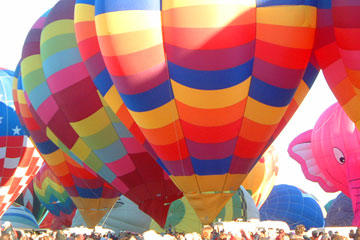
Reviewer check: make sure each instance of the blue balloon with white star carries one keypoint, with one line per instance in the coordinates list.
(9, 122)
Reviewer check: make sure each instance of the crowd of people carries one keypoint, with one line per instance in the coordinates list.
(207, 233)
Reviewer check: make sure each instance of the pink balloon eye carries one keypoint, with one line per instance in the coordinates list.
(339, 155)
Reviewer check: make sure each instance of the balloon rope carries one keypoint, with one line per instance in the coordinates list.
(108, 214)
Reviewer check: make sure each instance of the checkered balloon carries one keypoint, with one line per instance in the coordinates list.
(19, 160)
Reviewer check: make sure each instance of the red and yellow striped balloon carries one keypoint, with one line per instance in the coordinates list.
(210, 83)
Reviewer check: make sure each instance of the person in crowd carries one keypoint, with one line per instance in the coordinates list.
(314, 235)
(60, 235)
(351, 234)
(262, 235)
(207, 233)
(280, 235)
(299, 233)
(325, 236)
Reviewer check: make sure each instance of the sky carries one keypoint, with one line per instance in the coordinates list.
(17, 17)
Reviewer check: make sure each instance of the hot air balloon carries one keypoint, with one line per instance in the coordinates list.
(210, 84)
(340, 213)
(85, 32)
(337, 50)
(20, 217)
(181, 216)
(82, 124)
(29, 200)
(91, 195)
(54, 197)
(329, 154)
(294, 206)
(261, 179)
(19, 160)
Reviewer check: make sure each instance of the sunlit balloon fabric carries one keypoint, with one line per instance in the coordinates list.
(78, 120)
(293, 206)
(337, 50)
(261, 179)
(53, 196)
(207, 82)
(19, 160)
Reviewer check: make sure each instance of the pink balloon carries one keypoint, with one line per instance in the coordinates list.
(330, 155)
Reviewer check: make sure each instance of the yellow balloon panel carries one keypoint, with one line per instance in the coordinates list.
(260, 181)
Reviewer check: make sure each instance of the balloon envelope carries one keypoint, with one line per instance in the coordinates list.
(209, 93)
(337, 49)
(19, 160)
(340, 213)
(293, 206)
(20, 217)
(82, 124)
(53, 196)
(92, 195)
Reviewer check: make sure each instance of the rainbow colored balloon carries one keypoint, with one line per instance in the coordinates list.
(54, 196)
(19, 160)
(329, 154)
(209, 83)
(91, 195)
(337, 50)
(261, 179)
(78, 120)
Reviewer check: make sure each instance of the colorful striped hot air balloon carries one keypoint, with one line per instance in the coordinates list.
(91, 195)
(209, 83)
(19, 160)
(337, 50)
(79, 122)
(54, 196)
